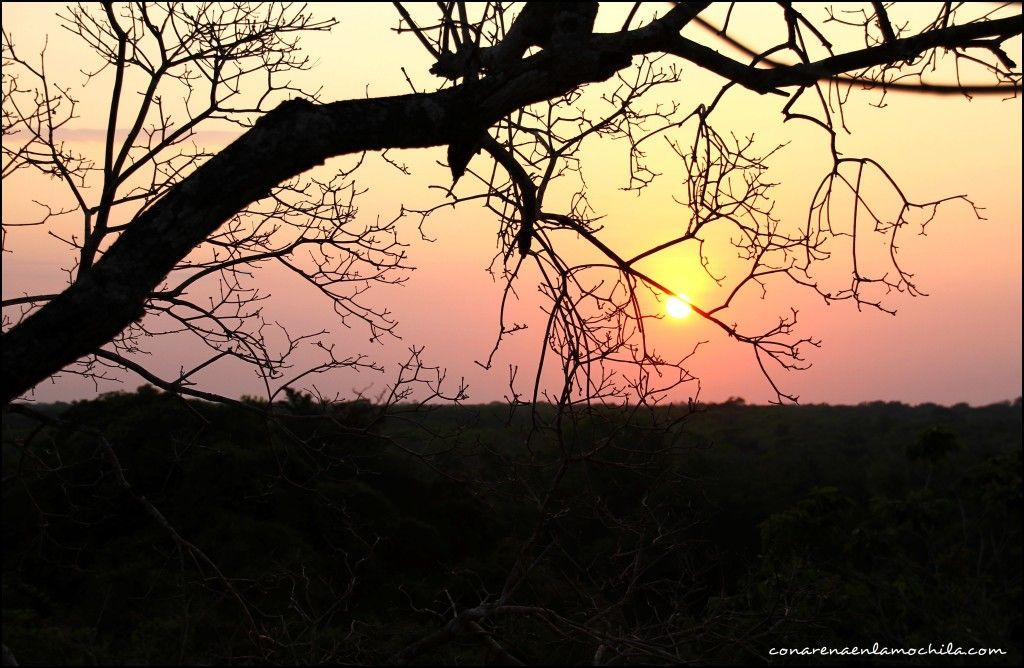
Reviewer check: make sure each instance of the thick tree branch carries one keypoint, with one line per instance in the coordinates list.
(299, 135)
(805, 74)
(293, 138)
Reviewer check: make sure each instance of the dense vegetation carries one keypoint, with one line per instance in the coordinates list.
(349, 535)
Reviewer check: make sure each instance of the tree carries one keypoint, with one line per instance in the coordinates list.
(186, 200)
(513, 84)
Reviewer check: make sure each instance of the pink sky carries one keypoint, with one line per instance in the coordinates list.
(960, 343)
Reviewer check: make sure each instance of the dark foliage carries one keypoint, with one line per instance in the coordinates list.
(796, 526)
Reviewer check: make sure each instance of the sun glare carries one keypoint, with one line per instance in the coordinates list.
(678, 308)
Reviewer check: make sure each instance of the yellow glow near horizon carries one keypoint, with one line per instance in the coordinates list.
(678, 307)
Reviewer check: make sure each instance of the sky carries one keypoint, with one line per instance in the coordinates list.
(961, 343)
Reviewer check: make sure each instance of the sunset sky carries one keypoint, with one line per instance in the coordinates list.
(961, 343)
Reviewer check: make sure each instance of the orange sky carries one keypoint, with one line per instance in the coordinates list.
(961, 343)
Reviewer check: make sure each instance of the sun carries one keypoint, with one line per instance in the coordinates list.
(678, 307)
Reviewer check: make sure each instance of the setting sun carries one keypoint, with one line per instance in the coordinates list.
(677, 308)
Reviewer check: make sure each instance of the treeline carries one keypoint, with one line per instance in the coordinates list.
(142, 528)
